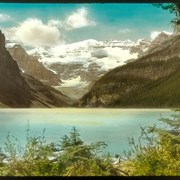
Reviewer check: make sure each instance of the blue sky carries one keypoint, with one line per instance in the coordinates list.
(35, 24)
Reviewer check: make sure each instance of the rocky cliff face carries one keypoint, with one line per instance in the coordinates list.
(89, 60)
(30, 65)
(151, 81)
(158, 40)
(86, 60)
(144, 47)
(44, 95)
(18, 89)
(14, 91)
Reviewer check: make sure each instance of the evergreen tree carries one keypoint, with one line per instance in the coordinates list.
(71, 141)
(161, 154)
(173, 8)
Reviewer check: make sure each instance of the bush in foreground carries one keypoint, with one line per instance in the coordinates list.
(161, 155)
(38, 158)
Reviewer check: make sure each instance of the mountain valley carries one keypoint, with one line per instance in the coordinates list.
(19, 90)
(151, 81)
(94, 74)
(74, 68)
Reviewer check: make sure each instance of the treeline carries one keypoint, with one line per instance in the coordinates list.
(158, 156)
(138, 84)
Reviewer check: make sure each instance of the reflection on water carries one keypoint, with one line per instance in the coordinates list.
(112, 126)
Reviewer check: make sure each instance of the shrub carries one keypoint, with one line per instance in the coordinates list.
(161, 155)
(38, 158)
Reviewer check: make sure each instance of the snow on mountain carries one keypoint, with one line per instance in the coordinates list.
(80, 64)
(155, 34)
(116, 57)
(107, 55)
(158, 38)
(73, 82)
(9, 43)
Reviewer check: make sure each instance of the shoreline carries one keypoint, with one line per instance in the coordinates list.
(72, 109)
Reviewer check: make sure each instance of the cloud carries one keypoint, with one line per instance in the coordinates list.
(4, 17)
(123, 31)
(78, 19)
(154, 34)
(32, 32)
(55, 23)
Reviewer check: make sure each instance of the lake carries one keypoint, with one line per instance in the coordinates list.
(113, 126)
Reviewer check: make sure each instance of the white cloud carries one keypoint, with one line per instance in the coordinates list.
(154, 34)
(4, 17)
(78, 19)
(55, 23)
(123, 31)
(33, 32)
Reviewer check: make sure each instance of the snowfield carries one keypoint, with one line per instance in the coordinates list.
(80, 64)
(104, 55)
(107, 55)
(73, 82)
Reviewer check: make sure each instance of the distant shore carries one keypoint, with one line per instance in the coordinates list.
(70, 109)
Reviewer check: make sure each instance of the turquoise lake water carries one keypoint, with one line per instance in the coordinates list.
(113, 126)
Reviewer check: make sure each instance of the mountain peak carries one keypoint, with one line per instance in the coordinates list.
(14, 89)
(2, 39)
(18, 89)
(161, 37)
(150, 81)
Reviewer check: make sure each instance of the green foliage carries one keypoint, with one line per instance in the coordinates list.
(132, 85)
(38, 158)
(71, 141)
(31, 160)
(83, 161)
(161, 154)
(173, 8)
(79, 159)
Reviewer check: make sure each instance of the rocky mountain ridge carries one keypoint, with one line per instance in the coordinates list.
(150, 81)
(14, 90)
(80, 64)
(19, 90)
(30, 65)
(87, 61)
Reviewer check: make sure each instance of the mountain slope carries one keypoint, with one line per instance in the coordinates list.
(151, 81)
(21, 90)
(163, 93)
(14, 91)
(44, 95)
(30, 65)
(86, 61)
(90, 59)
